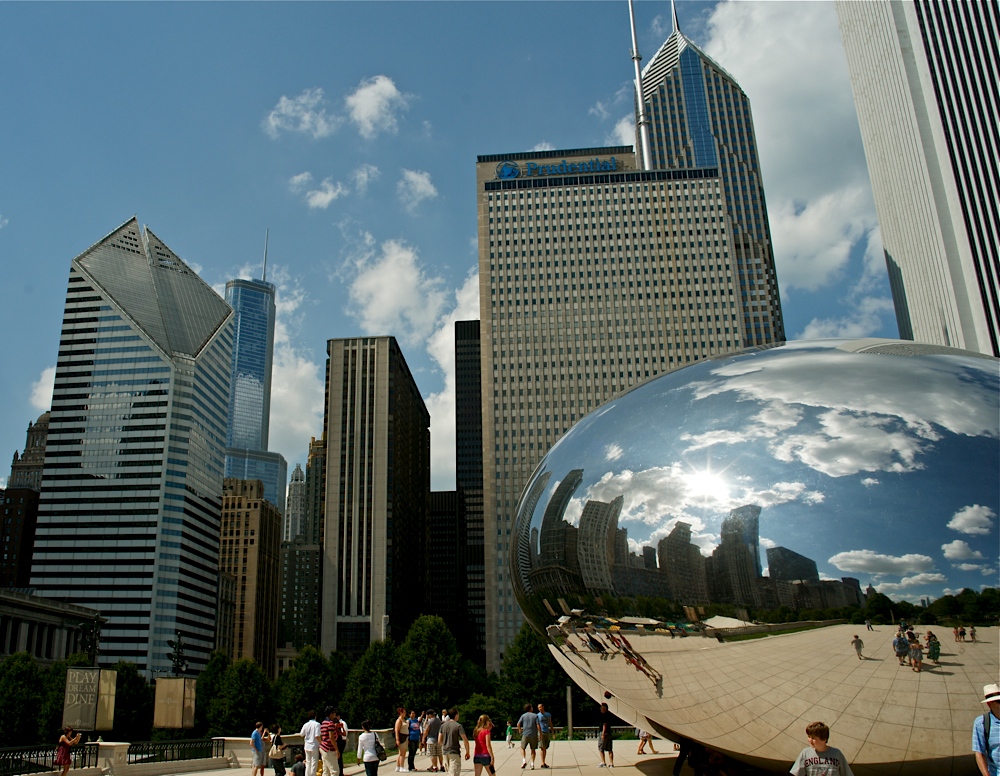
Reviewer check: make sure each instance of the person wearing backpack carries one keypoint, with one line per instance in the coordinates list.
(986, 733)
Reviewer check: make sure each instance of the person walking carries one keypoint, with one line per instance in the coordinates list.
(399, 732)
(972, 633)
(604, 739)
(329, 733)
(986, 733)
(66, 742)
(340, 731)
(310, 743)
(510, 734)
(483, 737)
(901, 647)
(544, 731)
(412, 739)
(451, 734)
(527, 726)
(433, 746)
(916, 656)
(366, 749)
(276, 754)
(645, 739)
(868, 624)
(858, 645)
(257, 750)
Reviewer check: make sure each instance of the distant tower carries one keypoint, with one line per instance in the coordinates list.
(247, 456)
(295, 506)
(26, 469)
(925, 79)
(136, 445)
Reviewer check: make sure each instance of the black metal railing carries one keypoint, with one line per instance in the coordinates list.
(167, 751)
(39, 759)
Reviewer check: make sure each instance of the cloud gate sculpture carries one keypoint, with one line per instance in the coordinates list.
(805, 477)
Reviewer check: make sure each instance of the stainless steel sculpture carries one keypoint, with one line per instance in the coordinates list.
(807, 475)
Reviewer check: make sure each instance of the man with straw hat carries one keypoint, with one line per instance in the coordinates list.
(986, 733)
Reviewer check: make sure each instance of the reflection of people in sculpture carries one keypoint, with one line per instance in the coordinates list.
(858, 645)
(819, 758)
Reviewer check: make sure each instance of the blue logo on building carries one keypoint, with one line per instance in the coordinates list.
(508, 170)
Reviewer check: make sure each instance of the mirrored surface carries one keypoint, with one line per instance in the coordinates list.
(793, 482)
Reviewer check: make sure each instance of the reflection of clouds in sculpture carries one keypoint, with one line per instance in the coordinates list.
(869, 562)
(908, 582)
(959, 550)
(612, 452)
(861, 425)
(974, 519)
(869, 482)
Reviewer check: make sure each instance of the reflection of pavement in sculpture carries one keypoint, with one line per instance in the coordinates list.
(753, 699)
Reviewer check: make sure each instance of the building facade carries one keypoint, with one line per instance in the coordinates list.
(377, 431)
(47, 630)
(469, 481)
(250, 544)
(924, 76)
(295, 505)
(26, 469)
(128, 520)
(787, 565)
(247, 457)
(19, 516)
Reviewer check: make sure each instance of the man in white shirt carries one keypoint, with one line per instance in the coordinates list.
(310, 743)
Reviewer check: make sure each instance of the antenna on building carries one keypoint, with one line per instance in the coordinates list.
(673, 14)
(643, 119)
(264, 273)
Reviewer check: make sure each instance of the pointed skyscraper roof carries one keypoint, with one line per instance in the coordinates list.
(155, 289)
(668, 57)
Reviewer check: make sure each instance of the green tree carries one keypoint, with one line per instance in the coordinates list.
(530, 674)
(244, 698)
(306, 686)
(21, 688)
(372, 690)
(133, 704)
(54, 695)
(485, 704)
(209, 685)
(429, 665)
(879, 606)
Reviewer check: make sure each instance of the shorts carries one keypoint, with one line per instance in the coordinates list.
(543, 740)
(433, 748)
(258, 759)
(482, 759)
(604, 745)
(531, 741)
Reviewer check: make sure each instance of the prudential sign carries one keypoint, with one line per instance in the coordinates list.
(510, 170)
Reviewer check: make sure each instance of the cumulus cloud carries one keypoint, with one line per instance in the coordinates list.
(967, 566)
(319, 197)
(544, 145)
(871, 562)
(305, 114)
(41, 389)
(364, 175)
(374, 105)
(959, 550)
(600, 110)
(613, 452)
(974, 519)
(392, 293)
(414, 187)
(767, 543)
(623, 132)
(794, 71)
(869, 482)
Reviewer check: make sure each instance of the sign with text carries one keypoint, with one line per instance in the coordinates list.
(174, 705)
(89, 703)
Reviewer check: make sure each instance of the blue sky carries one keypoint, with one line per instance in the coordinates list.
(351, 130)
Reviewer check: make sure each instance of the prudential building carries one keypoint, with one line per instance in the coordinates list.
(601, 267)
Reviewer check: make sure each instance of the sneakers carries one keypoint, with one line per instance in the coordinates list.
(601, 765)
(532, 766)
(523, 765)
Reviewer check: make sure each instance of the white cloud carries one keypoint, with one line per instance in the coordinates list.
(304, 114)
(767, 543)
(870, 482)
(967, 566)
(373, 106)
(915, 581)
(317, 198)
(600, 110)
(864, 318)
(959, 550)
(391, 293)
(974, 520)
(623, 132)
(414, 187)
(794, 71)
(41, 389)
(3, 221)
(613, 452)
(544, 145)
(871, 562)
(364, 175)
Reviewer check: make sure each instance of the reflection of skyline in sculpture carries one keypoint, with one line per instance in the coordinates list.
(563, 559)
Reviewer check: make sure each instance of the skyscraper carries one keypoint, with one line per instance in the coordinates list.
(377, 431)
(129, 518)
(295, 505)
(789, 566)
(925, 76)
(26, 469)
(247, 456)
(469, 479)
(598, 270)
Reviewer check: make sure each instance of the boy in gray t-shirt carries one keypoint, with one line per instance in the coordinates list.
(820, 759)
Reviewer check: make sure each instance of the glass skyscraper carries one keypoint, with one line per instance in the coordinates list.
(925, 77)
(247, 456)
(129, 516)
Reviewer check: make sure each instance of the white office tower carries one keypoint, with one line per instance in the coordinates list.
(925, 76)
(128, 521)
